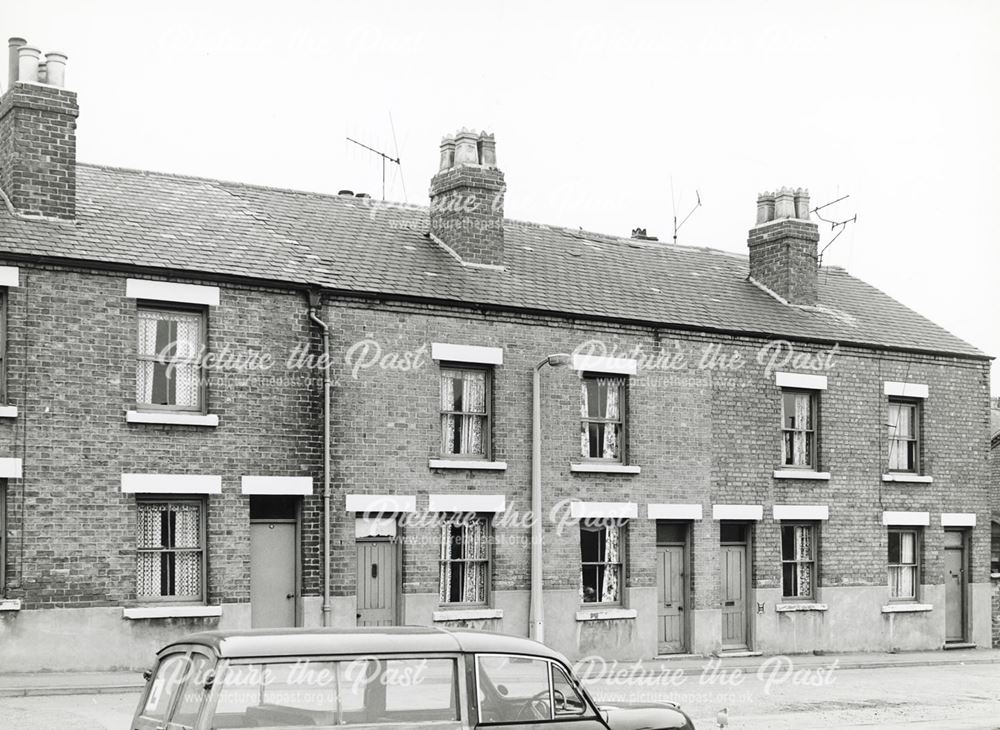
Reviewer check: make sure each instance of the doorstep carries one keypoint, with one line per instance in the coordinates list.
(668, 657)
(738, 653)
(959, 645)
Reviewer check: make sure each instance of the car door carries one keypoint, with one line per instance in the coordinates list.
(517, 691)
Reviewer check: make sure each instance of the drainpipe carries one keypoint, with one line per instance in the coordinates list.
(314, 304)
(537, 608)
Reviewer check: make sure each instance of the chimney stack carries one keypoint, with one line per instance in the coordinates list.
(38, 134)
(782, 245)
(467, 199)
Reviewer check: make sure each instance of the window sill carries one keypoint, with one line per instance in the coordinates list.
(468, 614)
(994, 575)
(791, 607)
(8, 411)
(599, 468)
(172, 418)
(171, 612)
(10, 604)
(468, 464)
(801, 474)
(907, 607)
(606, 614)
(915, 478)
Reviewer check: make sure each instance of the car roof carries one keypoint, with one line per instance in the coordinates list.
(382, 640)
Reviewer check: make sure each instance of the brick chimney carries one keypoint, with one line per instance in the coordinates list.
(38, 134)
(467, 199)
(783, 246)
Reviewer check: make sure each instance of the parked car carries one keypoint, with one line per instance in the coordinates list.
(375, 679)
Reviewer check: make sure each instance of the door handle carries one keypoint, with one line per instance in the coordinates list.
(290, 595)
(680, 608)
(358, 615)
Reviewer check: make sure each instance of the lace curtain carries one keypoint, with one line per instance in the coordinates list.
(167, 373)
(169, 539)
(464, 561)
(903, 576)
(900, 436)
(600, 399)
(463, 392)
(798, 424)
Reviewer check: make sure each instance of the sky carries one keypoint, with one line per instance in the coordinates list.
(607, 116)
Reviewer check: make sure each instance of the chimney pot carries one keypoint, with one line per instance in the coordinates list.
(346, 193)
(784, 204)
(466, 148)
(487, 150)
(802, 204)
(13, 44)
(55, 64)
(447, 153)
(27, 63)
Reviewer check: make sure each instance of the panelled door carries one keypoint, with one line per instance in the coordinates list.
(378, 599)
(670, 598)
(734, 571)
(954, 585)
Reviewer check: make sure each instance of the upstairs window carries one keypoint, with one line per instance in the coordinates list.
(904, 443)
(798, 561)
(904, 564)
(465, 560)
(465, 414)
(167, 371)
(798, 426)
(602, 406)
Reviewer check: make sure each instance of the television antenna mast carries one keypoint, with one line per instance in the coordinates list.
(677, 226)
(838, 226)
(385, 158)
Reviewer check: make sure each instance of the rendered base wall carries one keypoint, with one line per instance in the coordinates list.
(82, 639)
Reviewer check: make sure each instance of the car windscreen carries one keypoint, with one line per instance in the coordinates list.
(357, 691)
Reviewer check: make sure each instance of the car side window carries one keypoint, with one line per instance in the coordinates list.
(163, 687)
(191, 694)
(565, 698)
(513, 689)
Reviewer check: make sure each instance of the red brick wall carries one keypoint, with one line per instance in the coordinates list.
(71, 346)
(699, 436)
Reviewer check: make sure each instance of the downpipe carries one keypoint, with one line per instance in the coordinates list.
(314, 305)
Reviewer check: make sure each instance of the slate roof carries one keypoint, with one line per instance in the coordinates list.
(155, 220)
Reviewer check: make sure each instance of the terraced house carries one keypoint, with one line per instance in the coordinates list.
(227, 405)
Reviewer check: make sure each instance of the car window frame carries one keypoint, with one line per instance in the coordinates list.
(462, 699)
(592, 712)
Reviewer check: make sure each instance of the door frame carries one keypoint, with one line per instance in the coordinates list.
(397, 581)
(297, 521)
(963, 586)
(747, 545)
(687, 562)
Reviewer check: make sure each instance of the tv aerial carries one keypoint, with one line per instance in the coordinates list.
(677, 226)
(386, 158)
(838, 226)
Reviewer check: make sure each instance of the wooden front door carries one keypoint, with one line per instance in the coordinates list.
(273, 561)
(733, 565)
(954, 585)
(670, 598)
(378, 600)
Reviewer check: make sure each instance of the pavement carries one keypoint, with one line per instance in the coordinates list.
(13, 684)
